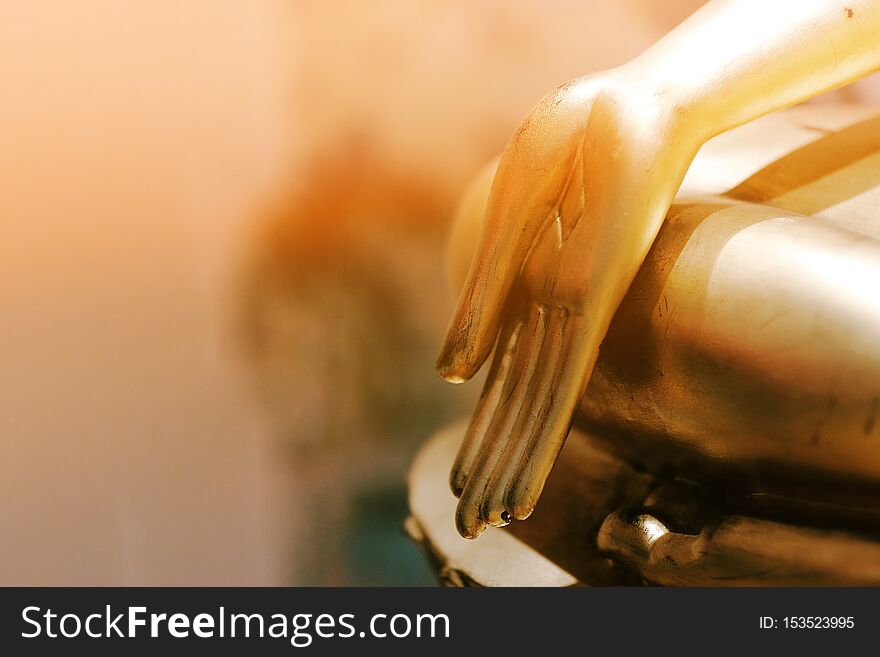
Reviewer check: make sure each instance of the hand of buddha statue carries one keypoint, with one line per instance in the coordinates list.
(579, 196)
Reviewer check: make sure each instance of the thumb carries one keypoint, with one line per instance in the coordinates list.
(524, 193)
(466, 227)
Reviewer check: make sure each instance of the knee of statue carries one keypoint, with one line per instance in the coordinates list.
(730, 426)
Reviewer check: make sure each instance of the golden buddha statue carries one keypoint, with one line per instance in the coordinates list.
(732, 410)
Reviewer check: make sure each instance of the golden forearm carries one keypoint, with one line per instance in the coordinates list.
(735, 60)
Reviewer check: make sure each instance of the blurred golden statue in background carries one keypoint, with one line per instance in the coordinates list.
(727, 429)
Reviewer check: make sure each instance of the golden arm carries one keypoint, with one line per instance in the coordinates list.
(580, 193)
(735, 60)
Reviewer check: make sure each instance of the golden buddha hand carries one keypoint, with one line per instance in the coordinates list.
(579, 196)
(580, 193)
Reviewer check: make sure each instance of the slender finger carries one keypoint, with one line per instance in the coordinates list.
(464, 235)
(489, 398)
(469, 518)
(532, 416)
(577, 357)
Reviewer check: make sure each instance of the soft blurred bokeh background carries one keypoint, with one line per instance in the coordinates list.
(221, 281)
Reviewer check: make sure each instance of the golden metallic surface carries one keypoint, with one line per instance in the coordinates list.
(740, 551)
(603, 522)
(746, 350)
(579, 196)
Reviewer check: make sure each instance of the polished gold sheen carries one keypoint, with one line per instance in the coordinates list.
(767, 350)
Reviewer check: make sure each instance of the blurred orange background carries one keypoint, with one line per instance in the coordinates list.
(220, 271)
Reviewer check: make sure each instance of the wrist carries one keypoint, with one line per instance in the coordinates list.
(678, 106)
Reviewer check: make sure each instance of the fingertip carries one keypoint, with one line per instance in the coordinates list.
(457, 480)
(450, 373)
(468, 526)
(521, 508)
(453, 365)
(496, 516)
(469, 341)
(467, 516)
(522, 512)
